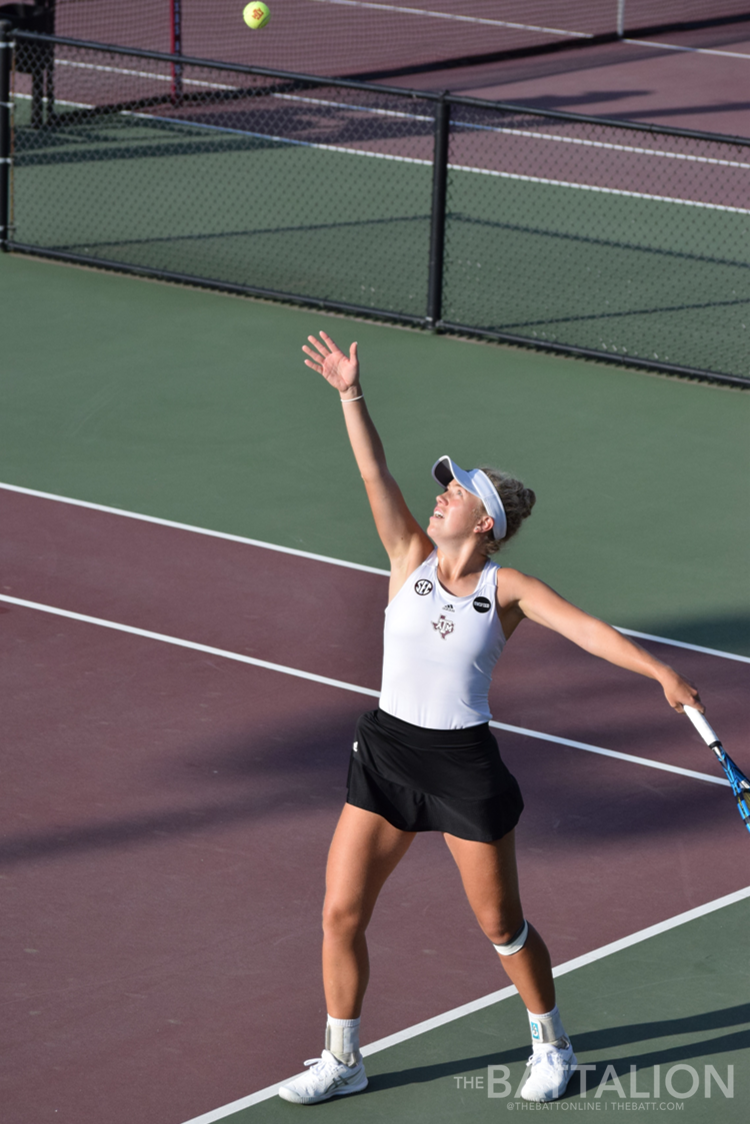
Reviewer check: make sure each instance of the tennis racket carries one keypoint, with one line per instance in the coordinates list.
(737, 779)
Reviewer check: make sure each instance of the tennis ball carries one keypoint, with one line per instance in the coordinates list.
(256, 15)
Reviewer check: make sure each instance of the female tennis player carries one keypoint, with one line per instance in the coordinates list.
(425, 760)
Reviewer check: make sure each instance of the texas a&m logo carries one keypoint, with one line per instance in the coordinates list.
(443, 626)
(423, 587)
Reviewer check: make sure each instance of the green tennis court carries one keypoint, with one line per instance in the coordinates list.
(533, 259)
(691, 1063)
(235, 208)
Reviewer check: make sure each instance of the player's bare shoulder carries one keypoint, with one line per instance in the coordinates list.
(510, 587)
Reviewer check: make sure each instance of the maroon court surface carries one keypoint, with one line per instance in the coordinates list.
(690, 79)
(166, 815)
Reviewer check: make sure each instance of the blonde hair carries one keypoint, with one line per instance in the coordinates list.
(517, 501)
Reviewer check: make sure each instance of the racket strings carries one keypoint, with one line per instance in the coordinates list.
(743, 806)
(739, 782)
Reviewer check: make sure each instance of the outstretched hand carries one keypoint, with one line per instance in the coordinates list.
(681, 692)
(329, 360)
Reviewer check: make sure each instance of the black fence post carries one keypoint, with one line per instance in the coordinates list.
(6, 49)
(176, 49)
(437, 226)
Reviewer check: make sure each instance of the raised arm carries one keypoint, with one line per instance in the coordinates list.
(522, 596)
(404, 540)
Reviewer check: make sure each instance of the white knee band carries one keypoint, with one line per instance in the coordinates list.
(515, 945)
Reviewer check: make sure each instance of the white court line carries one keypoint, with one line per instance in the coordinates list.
(196, 530)
(682, 644)
(140, 74)
(593, 187)
(453, 167)
(457, 18)
(529, 134)
(58, 101)
(288, 140)
(147, 634)
(692, 50)
(314, 557)
(377, 111)
(629, 757)
(526, 133)
(493, 998)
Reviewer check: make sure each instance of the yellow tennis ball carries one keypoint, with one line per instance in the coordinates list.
(256, 15)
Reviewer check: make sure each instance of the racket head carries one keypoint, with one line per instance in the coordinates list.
(737, 779)
(740, 786)
(743, 807)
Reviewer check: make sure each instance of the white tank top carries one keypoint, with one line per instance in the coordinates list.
(440, 651)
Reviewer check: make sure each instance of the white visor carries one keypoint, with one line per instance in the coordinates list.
(480, 485)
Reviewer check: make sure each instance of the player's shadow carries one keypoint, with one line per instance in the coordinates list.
(213, 784)
(614, 1036)
(611, 1038)
(579, 102)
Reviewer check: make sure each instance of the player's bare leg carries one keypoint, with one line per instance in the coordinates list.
(490, 878)
(365, 849)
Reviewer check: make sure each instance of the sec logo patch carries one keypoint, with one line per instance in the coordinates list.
(423, 587)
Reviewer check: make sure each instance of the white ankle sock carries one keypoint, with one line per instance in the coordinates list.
(548, 1028)
(342, 1039)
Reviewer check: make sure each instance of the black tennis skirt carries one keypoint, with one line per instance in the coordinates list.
(433, 780)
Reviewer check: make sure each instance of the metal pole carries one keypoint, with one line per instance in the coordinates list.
(620, 18)
(176, 49)
(437, 226)
(50, 5)
(37, 88)
(6, 55)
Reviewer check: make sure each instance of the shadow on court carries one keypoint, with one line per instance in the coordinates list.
(275, 776)
(589, 1042)
(674, 1055)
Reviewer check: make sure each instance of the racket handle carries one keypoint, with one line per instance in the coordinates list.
(702, 726)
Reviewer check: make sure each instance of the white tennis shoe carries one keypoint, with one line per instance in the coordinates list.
(327, 1077)
(551, 1070)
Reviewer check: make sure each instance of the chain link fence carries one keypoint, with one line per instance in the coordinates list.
(556, 230)
(387, 39)
(599, 238)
